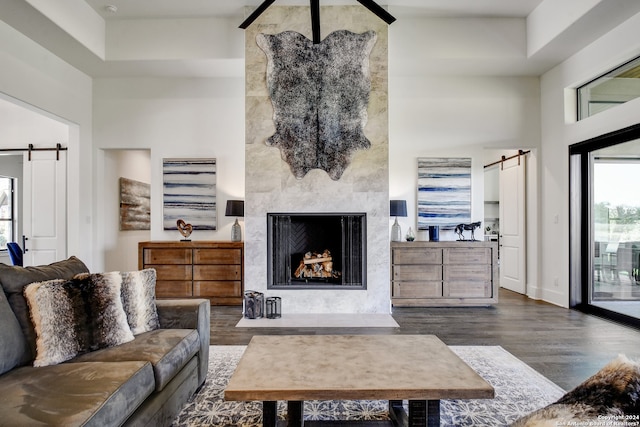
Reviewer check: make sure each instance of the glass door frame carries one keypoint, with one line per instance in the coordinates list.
(581, 249)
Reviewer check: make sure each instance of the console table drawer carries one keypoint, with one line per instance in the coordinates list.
(208, 288)
(467, 256)
(167, 256)
(172, 272)
(217, 272)
(173, 289)
(467, 289)
(417, 289)
(217, 256)
(472, 272)
(417, 272)
(418, 256)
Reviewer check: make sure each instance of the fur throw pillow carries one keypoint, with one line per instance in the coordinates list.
(138, 292)
(76, 316)
(15, 278)
(139, 300)
(606, 397)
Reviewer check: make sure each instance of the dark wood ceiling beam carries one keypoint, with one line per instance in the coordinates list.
(315, 15)
(315, 20)
(378, 10)
(265, 4)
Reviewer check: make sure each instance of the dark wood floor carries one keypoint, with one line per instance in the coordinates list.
(566, 346)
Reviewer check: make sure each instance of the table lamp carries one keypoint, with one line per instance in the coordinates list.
(235, 208)
(397, 208)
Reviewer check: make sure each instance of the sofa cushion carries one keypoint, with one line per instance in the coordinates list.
(13, 345)
(76, 316)
(168, 350)
(13, 280)
(74, 394)
(610, 394)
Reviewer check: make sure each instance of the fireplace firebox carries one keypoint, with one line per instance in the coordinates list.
(316, 250)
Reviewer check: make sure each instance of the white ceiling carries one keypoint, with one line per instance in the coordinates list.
(230, 8)
(140, 9)
(597, 20)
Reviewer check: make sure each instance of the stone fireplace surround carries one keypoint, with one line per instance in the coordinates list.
(271, 187)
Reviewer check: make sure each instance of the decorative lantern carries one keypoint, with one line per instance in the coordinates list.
(252, 305)
(273, 307)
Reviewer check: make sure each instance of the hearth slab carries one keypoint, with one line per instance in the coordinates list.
(322, 320)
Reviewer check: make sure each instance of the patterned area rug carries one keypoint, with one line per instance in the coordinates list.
(519, 391)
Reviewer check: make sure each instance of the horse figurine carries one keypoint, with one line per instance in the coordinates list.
(460, 228)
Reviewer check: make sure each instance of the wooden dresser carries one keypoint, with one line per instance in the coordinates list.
(199, 269)
(458, 273)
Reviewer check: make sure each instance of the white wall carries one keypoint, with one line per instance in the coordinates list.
(38, 78)
(560, 129)
(429, 116)
(432, 111)
(459, 117)
(172, 117)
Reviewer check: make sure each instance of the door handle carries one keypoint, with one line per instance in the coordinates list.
(24, 244)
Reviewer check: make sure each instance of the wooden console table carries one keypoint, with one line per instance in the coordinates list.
(455, 273)
(199, 269)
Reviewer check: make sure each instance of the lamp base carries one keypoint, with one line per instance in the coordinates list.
(396, 232)
(236, 232)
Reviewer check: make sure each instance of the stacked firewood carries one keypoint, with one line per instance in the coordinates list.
(317, 265)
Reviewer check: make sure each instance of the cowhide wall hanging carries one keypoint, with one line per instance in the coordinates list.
(320, 95)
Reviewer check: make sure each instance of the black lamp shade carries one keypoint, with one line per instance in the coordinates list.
(235, 208)
(398, 207)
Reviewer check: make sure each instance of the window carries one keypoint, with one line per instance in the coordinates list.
(613, 88)
(7, 214)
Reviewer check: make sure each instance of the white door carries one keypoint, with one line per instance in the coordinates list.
(44, 220)
(513, 271)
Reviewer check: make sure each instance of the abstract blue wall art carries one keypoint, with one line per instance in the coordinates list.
(444, 192)
(189, 193)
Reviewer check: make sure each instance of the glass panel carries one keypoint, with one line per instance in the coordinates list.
(6, 211)
(616, 87)
(615, 213)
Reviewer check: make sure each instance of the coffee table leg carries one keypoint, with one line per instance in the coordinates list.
(421, 413)
(294, 413)
(433, 413)
(397, 413)
(418, 413)
(269, 413)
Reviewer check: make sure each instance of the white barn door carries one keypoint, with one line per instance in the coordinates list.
(44, 219)
(513, 264)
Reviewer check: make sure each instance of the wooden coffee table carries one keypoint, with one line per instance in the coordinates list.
(418, 368)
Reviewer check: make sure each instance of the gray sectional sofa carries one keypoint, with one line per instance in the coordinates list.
(143, 382)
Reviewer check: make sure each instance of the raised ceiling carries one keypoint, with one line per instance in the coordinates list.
(235, 8)
(201, 38)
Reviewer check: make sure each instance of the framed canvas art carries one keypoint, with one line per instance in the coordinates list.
(444, 192)
(135, 205)
(189, 193)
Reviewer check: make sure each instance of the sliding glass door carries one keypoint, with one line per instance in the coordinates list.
(615, 213)
(605, 241)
